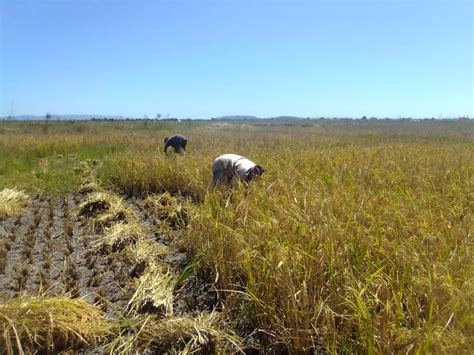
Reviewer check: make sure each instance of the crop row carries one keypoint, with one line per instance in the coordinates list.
(46, 251)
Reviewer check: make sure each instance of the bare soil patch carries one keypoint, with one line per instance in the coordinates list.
(49, 250)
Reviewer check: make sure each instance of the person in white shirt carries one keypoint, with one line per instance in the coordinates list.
(229, 166)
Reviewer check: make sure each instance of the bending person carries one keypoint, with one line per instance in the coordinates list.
(229, 166)
(178, 142)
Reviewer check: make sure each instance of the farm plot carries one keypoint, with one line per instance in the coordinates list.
(358, 239)
(96, 247)
(58, 247)
(47, 251)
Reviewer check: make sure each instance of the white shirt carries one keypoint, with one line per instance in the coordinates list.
(233, 164)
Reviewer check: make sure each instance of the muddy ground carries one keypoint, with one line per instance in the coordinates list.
(47, 250)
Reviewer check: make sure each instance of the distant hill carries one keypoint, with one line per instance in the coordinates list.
(236, 117)
(286, 118)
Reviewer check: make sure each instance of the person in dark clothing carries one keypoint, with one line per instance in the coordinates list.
(178, 142)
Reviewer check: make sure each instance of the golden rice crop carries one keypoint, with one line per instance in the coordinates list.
(354, 247)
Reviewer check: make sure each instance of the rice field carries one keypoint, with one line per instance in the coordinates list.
(358, 238)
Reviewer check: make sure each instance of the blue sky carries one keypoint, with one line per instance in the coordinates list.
(202, 59)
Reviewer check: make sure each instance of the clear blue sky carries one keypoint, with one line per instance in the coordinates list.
(202, 59)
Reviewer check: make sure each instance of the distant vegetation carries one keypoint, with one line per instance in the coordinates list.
(358, 238)
(167, 118)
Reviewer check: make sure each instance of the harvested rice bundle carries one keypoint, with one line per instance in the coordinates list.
(88, 187)
(204, 333)
(50, 324)
(145, 254)
(118, 236)
(154, 293)
(12, 201)
(172, 210)
(103, 209)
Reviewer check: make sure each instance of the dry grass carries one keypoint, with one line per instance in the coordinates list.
(44, 324)
(12, 201)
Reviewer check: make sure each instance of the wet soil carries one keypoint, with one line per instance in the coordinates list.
(50, 254)
(47, 251)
